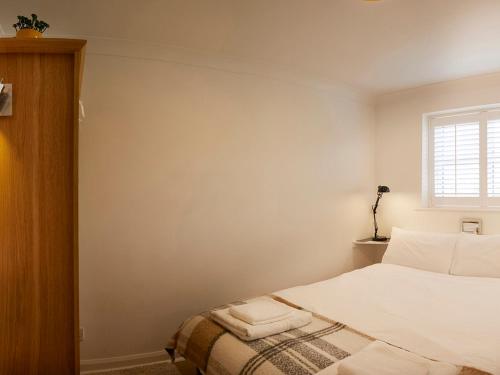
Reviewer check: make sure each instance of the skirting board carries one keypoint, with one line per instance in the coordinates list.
(91, 365)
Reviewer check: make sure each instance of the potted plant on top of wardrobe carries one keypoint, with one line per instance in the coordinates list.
(30, 27)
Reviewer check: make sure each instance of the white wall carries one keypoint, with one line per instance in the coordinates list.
(398, 150)
(204, 181)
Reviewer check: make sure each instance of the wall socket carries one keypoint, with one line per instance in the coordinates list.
(82, 334)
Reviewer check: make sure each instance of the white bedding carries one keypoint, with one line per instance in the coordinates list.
(453, 319)
(381, 358)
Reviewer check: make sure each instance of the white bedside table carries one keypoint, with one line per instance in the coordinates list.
(370, 242)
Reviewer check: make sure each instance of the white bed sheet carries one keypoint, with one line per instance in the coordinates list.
(453, 319)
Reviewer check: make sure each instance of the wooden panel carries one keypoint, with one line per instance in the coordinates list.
(38, 211)
(44, 45)
(55, 213)
(19, 299)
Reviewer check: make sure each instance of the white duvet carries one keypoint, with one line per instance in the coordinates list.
(453, 319)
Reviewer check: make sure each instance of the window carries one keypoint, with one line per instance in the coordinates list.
(461, 158)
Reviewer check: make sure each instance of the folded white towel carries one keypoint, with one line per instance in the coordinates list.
(379, 358)
(248, 332)
(261, 311)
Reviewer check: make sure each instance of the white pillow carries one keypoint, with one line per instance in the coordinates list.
(477, 256)
(426, 251)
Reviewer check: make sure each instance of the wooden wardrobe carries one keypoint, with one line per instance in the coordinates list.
(39, 207)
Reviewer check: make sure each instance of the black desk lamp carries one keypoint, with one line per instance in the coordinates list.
(380, 191)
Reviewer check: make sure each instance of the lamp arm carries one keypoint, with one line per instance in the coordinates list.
(375, 206)
(374, 210)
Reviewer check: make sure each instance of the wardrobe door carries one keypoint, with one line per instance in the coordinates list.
(38, 213)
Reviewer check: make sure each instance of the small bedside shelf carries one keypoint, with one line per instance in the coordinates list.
(369, 241)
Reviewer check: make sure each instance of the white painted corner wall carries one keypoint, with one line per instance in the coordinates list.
(398, 151)
(205, 180)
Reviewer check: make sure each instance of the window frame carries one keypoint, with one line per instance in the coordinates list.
(483, 113)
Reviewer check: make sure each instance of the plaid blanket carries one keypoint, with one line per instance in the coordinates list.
(303, 351)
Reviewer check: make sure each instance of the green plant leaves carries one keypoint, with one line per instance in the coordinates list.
(33, 23)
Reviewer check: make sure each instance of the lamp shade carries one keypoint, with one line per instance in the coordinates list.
(383, 189)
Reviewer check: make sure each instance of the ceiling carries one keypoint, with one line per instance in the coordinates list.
(375, 46)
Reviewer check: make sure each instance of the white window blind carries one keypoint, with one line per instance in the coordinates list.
(461, 158)
(493, 140)
(456, 160)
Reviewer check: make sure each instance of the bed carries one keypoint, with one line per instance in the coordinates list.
(440, 316)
